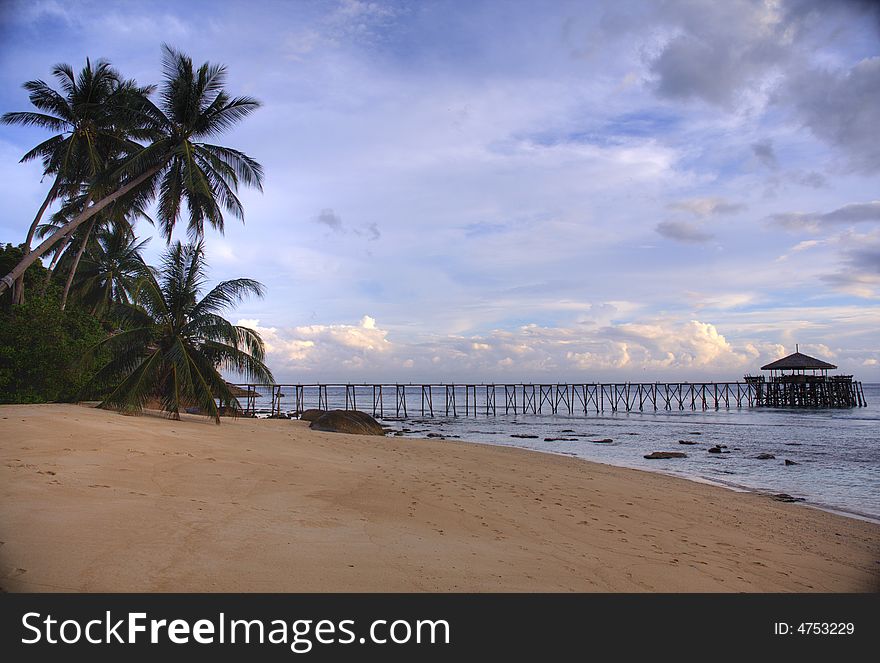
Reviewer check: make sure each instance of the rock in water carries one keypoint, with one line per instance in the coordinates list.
(311, 415)
(687, 442)
(665, 454)
(524, 436)
(765, 456)
(347, 421)
(606, 440)
(785, 497)
(789, 462)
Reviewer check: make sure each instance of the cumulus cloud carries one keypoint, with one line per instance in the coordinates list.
(682, 231)
(310, 348)
(365, 352)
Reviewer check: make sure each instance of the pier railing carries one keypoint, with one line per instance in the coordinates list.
(453, 400)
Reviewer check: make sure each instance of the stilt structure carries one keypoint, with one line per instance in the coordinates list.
(799, 380)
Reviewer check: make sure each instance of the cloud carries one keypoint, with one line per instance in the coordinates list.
(365, 352)
(860, 275)
(843, 109)
(765, 153)
(706, 206)
(330, 219)
(810, 179)
(848, 214)
(682, 231)
(370, 231)
(718, 51)
(324, 348)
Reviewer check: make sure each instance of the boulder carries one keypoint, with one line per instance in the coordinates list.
(560, 439)
(665, 454)
(606, 440)
(524, 436)
(347, 421)
(687, 442)
(435, 435)
(789, 462)
(765, 457)
(311, 415)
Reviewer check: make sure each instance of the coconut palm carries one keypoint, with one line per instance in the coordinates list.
(90, 118)
(174, 343)
(177, 164)
(110, 270)
(121, 214)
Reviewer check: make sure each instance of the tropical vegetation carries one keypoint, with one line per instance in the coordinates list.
(173, 342)
(119, 151)
(154, 152)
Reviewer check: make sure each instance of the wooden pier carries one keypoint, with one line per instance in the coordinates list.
(455, 400)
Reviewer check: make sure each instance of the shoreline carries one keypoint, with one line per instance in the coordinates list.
(821, 480)
(97, 501)
(717, 483)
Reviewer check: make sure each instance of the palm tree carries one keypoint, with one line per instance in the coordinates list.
(87, 116)
(177, 164)
(174, 343)
(110, 269)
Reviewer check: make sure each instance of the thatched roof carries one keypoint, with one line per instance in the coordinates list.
(798, 361)
(238, 392)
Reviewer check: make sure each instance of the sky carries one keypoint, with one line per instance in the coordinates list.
(520, 191)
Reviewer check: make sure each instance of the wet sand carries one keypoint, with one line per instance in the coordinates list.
(96, 501)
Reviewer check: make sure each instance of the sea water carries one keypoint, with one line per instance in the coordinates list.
(836, 452)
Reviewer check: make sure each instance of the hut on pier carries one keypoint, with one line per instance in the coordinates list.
(799, 380)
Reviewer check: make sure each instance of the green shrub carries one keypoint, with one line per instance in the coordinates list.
(42, 350)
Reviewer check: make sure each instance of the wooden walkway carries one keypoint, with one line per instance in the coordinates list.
(453, 400)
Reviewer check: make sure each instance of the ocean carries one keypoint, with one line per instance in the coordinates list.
(836, 452)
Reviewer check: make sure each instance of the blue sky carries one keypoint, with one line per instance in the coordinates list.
(522, 190)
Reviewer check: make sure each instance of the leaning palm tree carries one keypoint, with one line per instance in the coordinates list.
(88, 116)
(193, 106)
(174, 343)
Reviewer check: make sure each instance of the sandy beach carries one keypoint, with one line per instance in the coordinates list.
(96, 501)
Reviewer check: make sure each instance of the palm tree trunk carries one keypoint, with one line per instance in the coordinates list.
(75, 265)
(7, 281)
(18, 291)
(54, 264)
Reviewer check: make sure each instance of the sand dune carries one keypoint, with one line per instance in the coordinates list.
(96, 501)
